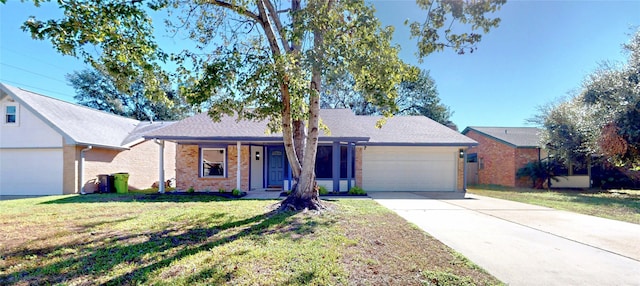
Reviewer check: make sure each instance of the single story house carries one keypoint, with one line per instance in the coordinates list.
(409, 153)
(501, 151)
(52, 147)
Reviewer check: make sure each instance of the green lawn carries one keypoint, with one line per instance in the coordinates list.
(190, 240)
(621, 205)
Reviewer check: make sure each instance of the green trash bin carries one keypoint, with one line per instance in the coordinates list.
(121, 182)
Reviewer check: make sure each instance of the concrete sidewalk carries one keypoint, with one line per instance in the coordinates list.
(523, 244)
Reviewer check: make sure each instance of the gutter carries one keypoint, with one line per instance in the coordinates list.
(82, 152)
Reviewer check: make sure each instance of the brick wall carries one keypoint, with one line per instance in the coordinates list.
(496, 160)
(188, 164)
(358, 175)
(140, 161)
(522, 157)
(499, 162)
(70, 158)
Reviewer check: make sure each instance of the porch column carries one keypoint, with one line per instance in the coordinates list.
(161, 187)
(349, 164)
(335, 166)
(238, 164)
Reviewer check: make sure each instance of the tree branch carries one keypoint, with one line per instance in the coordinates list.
(276, 21)
(238, 9)
(268, 28)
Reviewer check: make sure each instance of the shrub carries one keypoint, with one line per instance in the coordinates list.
(322, 190)
(191, 190)
(221, 190)
(539, 172)
(357, 191)
(236, 192)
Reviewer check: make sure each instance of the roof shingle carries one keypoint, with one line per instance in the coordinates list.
(342, 123)
(515, 136)
(411, 130)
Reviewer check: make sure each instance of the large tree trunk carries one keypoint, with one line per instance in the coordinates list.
(287, 128)
(299, 129)
(305, 194)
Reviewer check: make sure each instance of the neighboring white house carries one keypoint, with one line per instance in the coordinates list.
(44, 142)
(409, 153)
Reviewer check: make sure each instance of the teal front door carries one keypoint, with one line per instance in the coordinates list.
(275, 167)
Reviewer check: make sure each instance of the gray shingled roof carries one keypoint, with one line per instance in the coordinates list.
(80, 124)
(143, 128)
(515, 136)
(419, 130)
(202, 127)
(342, 123)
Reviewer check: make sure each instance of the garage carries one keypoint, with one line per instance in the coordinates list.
(31, 172)
(409, 168)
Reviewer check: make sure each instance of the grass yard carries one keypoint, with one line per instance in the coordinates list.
(189, 240)
(623, 205)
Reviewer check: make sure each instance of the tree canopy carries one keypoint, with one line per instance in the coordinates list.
(268, 55)
(416, 96)
(603, 118)
(96, 90)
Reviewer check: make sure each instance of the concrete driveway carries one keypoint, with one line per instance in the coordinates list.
(523, 244)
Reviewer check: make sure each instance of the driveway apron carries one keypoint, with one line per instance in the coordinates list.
(523, 244)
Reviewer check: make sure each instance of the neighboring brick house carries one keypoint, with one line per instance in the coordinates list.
(52, 147)
(501, 151)
(409, 153)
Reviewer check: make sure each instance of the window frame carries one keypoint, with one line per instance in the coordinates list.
(201, 171)
(16, 114)
(343, 163)
(325, 165)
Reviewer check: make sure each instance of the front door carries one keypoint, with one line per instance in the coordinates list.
(275, 168)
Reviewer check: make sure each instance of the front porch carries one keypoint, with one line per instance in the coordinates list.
(261, 166)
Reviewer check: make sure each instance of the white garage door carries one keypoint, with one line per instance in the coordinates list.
(30, 172)
(411, 169)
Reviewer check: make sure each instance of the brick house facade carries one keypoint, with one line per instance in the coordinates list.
(188, 170)
(502, 151)
(188, 176)
(410, 153)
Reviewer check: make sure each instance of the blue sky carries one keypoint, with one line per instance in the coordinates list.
(541, 51)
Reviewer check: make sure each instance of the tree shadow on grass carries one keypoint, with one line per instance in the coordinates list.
(629, 201)
(138, 198)
(148, 251)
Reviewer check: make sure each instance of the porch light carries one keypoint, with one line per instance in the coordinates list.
(257, 155)
(461, 153)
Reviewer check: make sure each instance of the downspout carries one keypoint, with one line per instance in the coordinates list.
(82, 191)
(161, 186)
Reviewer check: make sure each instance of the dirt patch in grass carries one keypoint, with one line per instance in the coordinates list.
(182, 240)
(390, 251)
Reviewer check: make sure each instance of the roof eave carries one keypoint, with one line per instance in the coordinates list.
(490, 136)
(425, 144)
(86, 144)
(249, 138)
